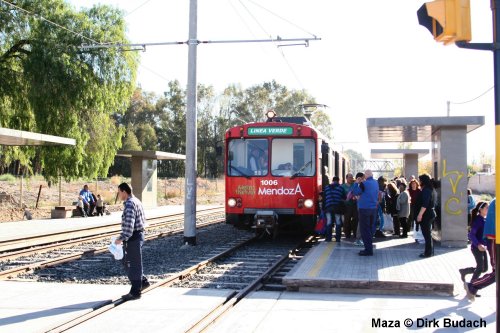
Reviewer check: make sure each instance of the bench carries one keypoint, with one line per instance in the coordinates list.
(62, 212)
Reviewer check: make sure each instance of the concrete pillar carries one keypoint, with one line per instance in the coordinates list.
(144, 181)
(449, 156)
(411, 165)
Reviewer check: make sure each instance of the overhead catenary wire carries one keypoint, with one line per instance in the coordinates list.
(276, 40)
(282, 18)
(155, 73)
(137, 8)
(473, 99)
(50, 22)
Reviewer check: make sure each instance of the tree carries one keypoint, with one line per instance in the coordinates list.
(49, 84)
(251, 104)
(130, 141)
(322, 122)
(146, 136)
(354, 155)
(171, 129)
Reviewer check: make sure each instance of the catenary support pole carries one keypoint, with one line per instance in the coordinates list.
(495, 7)
(190, 185)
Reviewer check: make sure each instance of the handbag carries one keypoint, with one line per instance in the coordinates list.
(320, 227)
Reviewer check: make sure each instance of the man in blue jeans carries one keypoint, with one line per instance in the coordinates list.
(367, 191)
(132, 238)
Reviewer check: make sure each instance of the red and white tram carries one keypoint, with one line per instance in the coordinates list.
(274, 174)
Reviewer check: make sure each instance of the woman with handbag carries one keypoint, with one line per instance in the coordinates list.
(426, 213)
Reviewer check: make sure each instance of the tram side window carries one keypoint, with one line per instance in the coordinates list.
(247, 157)
(293, 157)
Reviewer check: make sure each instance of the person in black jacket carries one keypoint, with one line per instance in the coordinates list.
(426, 213)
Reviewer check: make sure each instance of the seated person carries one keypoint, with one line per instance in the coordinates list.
(253, 162)
(88, 200)
(80, 206)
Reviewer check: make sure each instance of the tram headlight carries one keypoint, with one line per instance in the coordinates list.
(270, 115)
(231, 202)
(308, 203)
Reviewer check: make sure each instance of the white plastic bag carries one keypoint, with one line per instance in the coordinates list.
(419, 237)
(116, 250)
(388, 223)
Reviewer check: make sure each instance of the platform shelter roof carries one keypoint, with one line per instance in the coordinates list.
(415, 129)
(11, 137)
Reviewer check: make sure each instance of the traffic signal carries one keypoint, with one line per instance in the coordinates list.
(447, 20)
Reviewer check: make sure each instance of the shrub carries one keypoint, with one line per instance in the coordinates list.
(7, 178)
(171, 194)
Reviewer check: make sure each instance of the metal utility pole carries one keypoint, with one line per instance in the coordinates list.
(191, 130)
(495, 47)
(495, 8)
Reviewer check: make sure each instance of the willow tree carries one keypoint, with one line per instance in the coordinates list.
(49, 84)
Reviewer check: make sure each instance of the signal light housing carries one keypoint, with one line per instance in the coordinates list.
(447, 20)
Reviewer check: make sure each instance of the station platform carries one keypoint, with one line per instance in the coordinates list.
(32, 307)
(21, 229)
(395, 268)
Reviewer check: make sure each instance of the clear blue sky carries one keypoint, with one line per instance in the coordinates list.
(374, 60)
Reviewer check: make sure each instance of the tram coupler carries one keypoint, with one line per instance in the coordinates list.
(266, 221)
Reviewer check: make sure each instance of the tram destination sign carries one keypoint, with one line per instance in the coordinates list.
(270, 131)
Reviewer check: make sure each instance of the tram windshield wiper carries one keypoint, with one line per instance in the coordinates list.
(239, 171)
(301, 169)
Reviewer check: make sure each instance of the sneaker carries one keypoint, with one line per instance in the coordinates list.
(131, 297)
(359, 242)
(379, 234)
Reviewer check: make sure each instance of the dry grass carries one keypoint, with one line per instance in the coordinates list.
(116, 180)
(170, 192)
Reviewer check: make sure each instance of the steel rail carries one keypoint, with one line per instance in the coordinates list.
(218, 311)
(162, 283)
(60, 236)
(80, 254)
(158, 222)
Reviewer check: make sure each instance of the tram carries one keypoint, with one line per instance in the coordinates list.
(274, 174)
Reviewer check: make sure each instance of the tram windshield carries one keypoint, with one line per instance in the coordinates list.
(248, 157)
(293, 157)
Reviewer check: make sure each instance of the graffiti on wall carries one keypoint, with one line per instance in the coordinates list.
(452, 203)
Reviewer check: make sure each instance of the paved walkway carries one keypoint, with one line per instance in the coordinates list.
(36, 307)
(394, 268)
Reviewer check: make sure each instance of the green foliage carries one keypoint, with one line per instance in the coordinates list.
(7, 178)
(159, 122)
(130, 141)
(251, 104)
(49, 85)
(322, 122)
(354, 155)
(146, 136)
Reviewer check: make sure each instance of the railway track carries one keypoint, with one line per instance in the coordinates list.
(259, 264)
(22, 243)
(46, 255)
